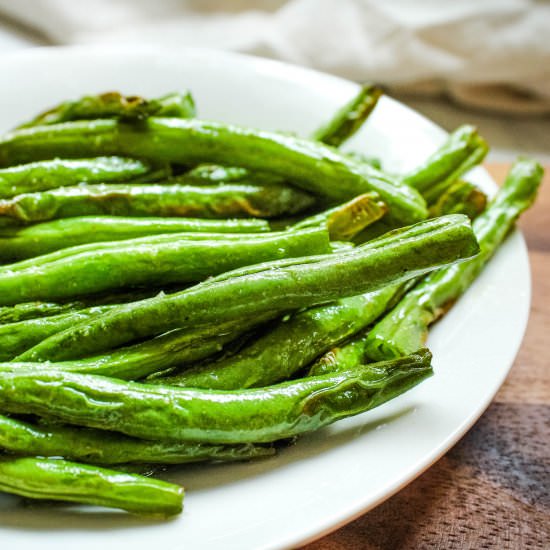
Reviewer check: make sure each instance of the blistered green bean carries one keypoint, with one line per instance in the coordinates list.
(18, 243)
(204, 416)
(315, 167)
(163, 259)
(56, 479)
(271, 287)
(405, 328)
(100, 447)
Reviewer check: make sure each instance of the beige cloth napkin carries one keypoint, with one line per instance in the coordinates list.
(491, 54)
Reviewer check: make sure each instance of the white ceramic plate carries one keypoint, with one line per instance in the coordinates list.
(333, 476)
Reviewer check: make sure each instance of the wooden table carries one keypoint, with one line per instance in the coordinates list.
(492, 490)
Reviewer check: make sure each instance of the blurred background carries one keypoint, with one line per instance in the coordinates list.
(486, 62)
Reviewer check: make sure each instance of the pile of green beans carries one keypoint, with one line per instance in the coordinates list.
(177, 290)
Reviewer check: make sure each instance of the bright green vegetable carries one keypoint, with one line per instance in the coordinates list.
(101, 447)
(461, 197)
(116, 105)
(341, 358)
(18, 243)
(315, 167)
(211, 174)
(272, 287)
(462, 150)
(55, 479)
(346, 220)
(345, 122)
(140, 199)
(162, 259)
(288, 345)
(172, 349)
(34, 310)
(405, 328)
(350, 117)
(47, 174)
(182, 414)
(22, 335)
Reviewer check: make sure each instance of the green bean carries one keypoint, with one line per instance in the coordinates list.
(211, 174)
(47, 174)
(175, 104)
(272, 287)
(462, 150)
(219, 201)
(342, 126)
(116, 105)
(167, 413)
(461, 197)
(406, 326)
(56, 479)
(288, 345)
(346, 220)
(350, 117)
(165, 259)
(152, 240)
(315, 167)
(391, 238)
(158, 355)
(22, 335)
(35, 310)
(26, 242)
(101, 447)
(341, 358)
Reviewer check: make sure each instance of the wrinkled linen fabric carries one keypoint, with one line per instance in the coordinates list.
(492, 54)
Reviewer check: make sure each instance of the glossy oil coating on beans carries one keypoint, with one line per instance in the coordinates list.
(17, 243)
(56, 479)
(101, 447)
(344, 123)
(462, 150)
(22, 335)
(279, 286)
(462, 197)
(40, 309)
(165, 259)
(341, 358)
(405, 328)
(346, 220)
(207, 416)
(34, 310)
(48, 174)
(289, 345)
(315, 167)
(173, 200)
(172, 349)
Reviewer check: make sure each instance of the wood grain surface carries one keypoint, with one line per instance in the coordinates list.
(492, 490)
